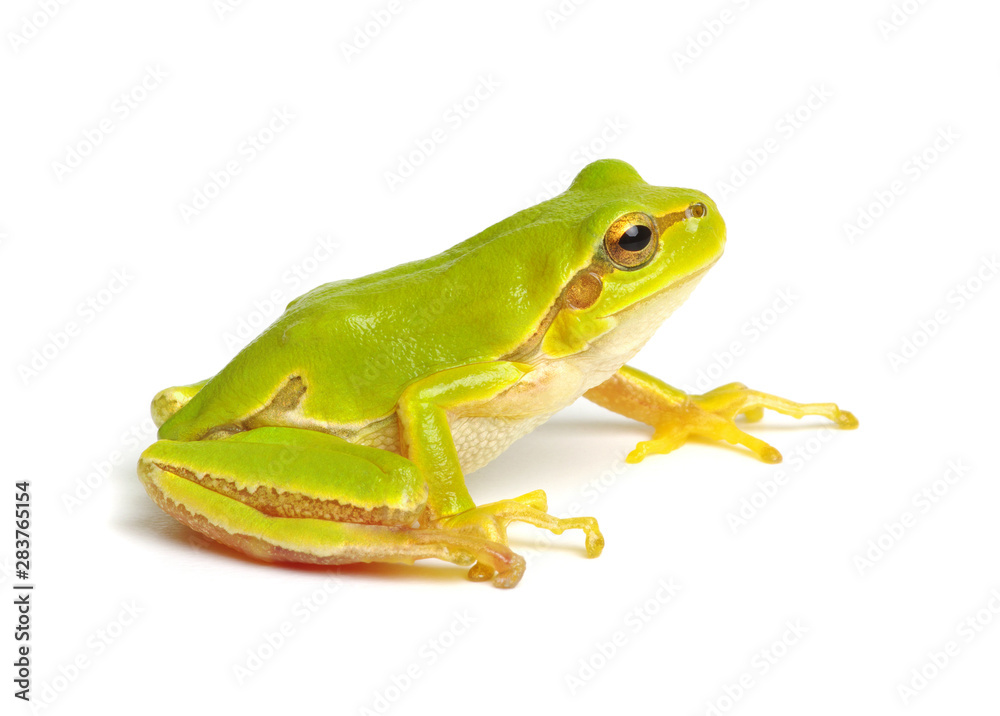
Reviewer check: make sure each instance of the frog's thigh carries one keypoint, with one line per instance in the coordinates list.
(285, 494)
(425, 435)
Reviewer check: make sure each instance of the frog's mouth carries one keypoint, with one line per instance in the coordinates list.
(667, 298)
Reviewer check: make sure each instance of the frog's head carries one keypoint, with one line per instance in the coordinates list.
(647, 246)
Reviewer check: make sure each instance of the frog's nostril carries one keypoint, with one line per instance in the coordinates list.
(696, 211)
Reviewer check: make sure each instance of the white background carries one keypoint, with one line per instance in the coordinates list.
(639, 80)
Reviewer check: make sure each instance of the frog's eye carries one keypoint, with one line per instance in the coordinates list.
(696, 211)
(631, 240)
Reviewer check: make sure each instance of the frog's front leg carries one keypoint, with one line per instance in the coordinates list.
(676, 416)
(292, 495)
(423, 413)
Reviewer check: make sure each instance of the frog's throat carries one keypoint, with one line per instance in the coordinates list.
(679, 290)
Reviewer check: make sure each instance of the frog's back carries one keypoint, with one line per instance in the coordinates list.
(341, 354)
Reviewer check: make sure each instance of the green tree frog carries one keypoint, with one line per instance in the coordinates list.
(344, 432)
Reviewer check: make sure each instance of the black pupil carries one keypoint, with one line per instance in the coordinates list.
(636, 238)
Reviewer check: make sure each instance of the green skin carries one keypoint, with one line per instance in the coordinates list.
(329, 438)
(331, 334)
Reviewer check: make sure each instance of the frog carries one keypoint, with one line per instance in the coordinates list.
(344, 433)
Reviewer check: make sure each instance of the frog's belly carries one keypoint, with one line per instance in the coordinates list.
(478, 440)
(482, 431)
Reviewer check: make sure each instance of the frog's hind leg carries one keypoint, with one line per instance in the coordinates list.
(290, 495)
(169, 400)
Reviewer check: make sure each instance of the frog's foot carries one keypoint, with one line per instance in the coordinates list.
(490, 522)
(290, 495)
(713, 414)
